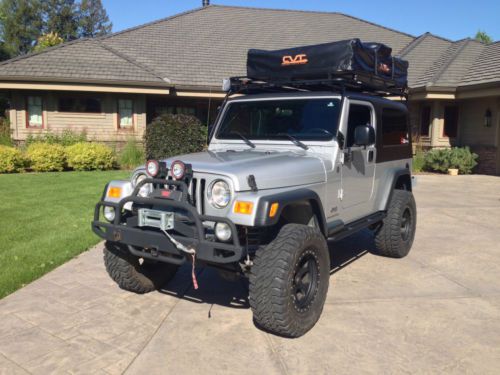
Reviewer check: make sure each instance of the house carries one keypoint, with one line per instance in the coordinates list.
(112, 86)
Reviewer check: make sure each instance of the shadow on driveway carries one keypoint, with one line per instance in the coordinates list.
(214, 290)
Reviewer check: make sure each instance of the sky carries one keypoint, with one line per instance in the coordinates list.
(451, 19)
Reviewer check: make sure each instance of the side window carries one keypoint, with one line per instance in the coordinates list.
(125, 113)
(34, 112)
(450, 121)
(358, 115)
(394, 127)
(425, 121)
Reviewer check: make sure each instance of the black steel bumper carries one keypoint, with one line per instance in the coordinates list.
(153, 244)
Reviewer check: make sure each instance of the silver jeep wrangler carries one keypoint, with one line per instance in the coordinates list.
(285, 171)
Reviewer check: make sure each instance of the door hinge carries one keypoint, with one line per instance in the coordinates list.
(341, 194)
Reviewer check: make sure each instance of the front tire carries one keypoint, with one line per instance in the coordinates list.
(289, 281)
(132, 275)
(394, 237)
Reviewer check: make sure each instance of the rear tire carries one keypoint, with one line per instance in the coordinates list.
(394, 237)
(289, 281)
(128, 272)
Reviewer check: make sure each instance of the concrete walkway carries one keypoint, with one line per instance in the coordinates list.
(436, 311)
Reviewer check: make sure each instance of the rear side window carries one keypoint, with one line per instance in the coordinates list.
(394, 127)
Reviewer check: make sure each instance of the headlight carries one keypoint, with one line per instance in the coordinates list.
(146, 190)
(219, 194)
(178, 170)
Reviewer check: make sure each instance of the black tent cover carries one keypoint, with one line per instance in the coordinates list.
(328, 60)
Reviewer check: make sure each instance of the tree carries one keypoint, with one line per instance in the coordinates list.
(61, 17)
(94, 20)
(47, 40)
(20, 25)
(483, 37)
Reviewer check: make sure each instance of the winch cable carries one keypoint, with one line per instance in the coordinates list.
(190, 251)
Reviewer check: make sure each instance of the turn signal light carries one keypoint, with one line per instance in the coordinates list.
(244, 208)
(114, 192)
(273, 210)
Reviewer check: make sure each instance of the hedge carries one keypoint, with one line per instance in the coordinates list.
(170, 135)
(11, 160)
(85, 156)
(44, 157)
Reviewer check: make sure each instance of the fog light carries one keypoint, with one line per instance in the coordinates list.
(223, 232)
(109, 213)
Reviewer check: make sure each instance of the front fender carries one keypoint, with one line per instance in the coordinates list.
(285, 199)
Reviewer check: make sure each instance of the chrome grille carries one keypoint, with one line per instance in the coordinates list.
(196, 191)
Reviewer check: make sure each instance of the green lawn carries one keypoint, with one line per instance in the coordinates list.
(45, 221)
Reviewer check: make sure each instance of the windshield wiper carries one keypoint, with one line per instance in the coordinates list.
(294, 140)
(245, 139)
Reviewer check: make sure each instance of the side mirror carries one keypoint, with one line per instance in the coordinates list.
(364, 135)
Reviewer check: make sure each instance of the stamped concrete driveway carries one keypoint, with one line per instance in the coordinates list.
(436, 311)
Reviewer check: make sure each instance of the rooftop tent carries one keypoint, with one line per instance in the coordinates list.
(326, 61)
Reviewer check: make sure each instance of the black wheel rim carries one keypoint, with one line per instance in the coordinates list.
(406, 224)
(305, 281)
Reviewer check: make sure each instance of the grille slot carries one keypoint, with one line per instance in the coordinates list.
(197, 194)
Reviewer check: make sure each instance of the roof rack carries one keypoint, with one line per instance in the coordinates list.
(343, 81)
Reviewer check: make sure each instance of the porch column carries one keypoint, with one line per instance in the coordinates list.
(437, 121)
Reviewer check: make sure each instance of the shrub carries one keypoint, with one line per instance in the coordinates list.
(170, 135)
(65, 138)
(5, 138)
(132, 155)
(11, 160)
(86, 156)
(45, 157)
(463, 159)
(440, 160)
(419, 161)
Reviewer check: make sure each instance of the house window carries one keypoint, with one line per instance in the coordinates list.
(450, 121)
(80, 104)
(394, 127)
(125, 113)
(34, 112)
(425, 121)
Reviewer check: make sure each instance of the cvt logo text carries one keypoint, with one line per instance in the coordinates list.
(295, 60)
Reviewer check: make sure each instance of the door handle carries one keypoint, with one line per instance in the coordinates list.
(370, 156)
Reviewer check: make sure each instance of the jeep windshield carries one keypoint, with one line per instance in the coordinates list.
(306, 119)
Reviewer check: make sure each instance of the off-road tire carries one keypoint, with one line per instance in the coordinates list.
(273, 279)
(394, 236)
(128, 272)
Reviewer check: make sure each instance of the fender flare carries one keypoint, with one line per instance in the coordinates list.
(387, 185)
(285, 199)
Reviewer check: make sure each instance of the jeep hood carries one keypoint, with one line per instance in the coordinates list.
(270, 169)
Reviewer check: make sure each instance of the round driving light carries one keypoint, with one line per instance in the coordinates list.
(223, 232)
(152, 167)
(220, 194)
(109, 213)
(178, 170)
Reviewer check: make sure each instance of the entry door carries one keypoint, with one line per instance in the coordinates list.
(358, 167)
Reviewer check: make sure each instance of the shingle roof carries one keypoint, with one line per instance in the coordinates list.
(203, 46)
(485, 68)
(81, 60)
(421, 55)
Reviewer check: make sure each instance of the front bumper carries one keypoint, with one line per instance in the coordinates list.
(151, 243)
